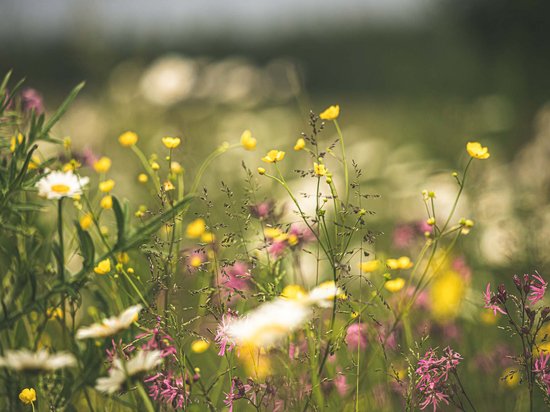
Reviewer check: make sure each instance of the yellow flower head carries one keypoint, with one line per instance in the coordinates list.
(300, 144)
(128, 139)
(71, 166)
(199, 346)
(123, 257)
(103, 267)
(34, 163)
(319, 169)
(154, 165)
(403, 262)
(247, 141)
(54, 313)
(293, 292)
(107, 186)
(168, 185)
(15, 141)
(477, 151)
(395, 285)
(208, 237)
(27, 396)
(195, 261)
(176, 168)
(86, 221)
(102, 165)
(106, 202)
(330, 113)
(143, 178)
(370, 266)
(196, 228)
(273, 156)
(171, 142)
(446, 295)
(261, 171)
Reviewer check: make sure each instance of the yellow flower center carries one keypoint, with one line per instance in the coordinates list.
(60, 188)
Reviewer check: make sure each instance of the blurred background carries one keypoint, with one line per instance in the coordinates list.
(416, 79)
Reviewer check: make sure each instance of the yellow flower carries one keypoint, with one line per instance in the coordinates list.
(293, 292)
(34, 163)
(319, 169)
(71, 166)
(195, 261)
(15, 141)
(54, 313)
(207, 237)
(86, 221)
(274, 156)
(247, 141)
(300, 144)
(395, 285)
(102, 165)
(293, 239)
(171, 142)
(143, 178)
(446, 295)
(107, 186)
(123, 257)
(106, 202)
(128, 139)
(196, 228)
(261, 170)
(199, 346)
(370, 266)
(155, 166)
(168, 185)
(103, 267)
(273, 233)
(477, 151)
(176, 168)
(330, 113)
(403, 262)
(27, 396)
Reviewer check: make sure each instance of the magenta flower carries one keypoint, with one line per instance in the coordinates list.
(234, 279)
(32, 100)
(491, 301)
(222, 339)
(542, 369)
(433, 373)
(341, 384)
(356, 336)
(537, 288)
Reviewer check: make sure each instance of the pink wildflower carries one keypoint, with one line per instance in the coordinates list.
(542, 369)
(537, 288)
(222, 339)
(356, 336)
(341, 384)
(491, 301)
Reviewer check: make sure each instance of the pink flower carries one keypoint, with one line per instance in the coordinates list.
(277, 248)
(234, 279)
(31, 99)
(542, 369)
(491, 301)
(341, 384)
(222, 339)
(537, 288)
(356, 336)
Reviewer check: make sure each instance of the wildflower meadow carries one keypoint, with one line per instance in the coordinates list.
(157, 271)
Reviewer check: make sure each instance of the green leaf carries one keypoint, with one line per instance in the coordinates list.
(86, 246)
(61, 110)
(120, 223)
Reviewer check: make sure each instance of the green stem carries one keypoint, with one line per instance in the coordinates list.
(346, 173)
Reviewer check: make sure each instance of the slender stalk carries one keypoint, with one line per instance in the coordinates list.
(346, 173)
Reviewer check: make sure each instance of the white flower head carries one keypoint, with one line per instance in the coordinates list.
(324, 294)
(143, 362)
(268, 324)
(42, 360)
(57, 184)
(110, 326)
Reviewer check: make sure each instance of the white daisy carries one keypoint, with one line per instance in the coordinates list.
(268, 324)
(110, 326)
(324, 294)
(144, 361)
(25, 360)
(57, 184)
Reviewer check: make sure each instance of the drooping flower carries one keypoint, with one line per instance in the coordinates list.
(61, 184)
(27, 396)
(330, 113)
(273, 156)
(247, 141)
(537, 288)
(477, 151)
(128, 139)
(171, 142)
(42, 360)
(110, 326)
(356, 336)
(121, 371)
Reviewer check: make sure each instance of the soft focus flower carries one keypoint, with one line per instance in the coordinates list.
(293, 292)
(537, 288)
(195, 260)
(128, 139)
(319, 169)
(143, 178)
(110, 326)
(330, 113)
(491, 301)
(196, 228)
(102, 165)
(168, 185)
(234, 279)
(106, 202)
(325, 294)
(32, 100)
(86, 221)
(261, 171)
(142, 362)
(404, 262)
(42, 360)
(341, 384)
(394, 285)
(15, 141)
(176, 168)
(247, 141)
(171, 142)
(200, 346)
(477, 151)
(542, 370)
(300, 144)
(106, 186)
(446, 294)
(356, 336)
(222, 338)
(27, 396)
(273, 156)
(61, 184)
(370, 266)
